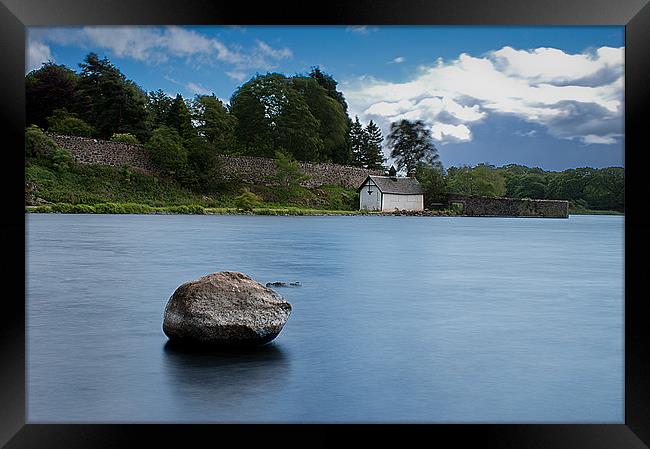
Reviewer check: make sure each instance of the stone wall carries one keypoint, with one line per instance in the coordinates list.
(259, 170)
(104, 152)
(251, 170)
(510, 207)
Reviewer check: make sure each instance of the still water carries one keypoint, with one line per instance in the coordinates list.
(399, 319)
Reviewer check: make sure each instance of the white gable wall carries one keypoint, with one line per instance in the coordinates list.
(369, 201)
(402, 202)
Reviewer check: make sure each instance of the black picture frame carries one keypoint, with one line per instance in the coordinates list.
(16, 15)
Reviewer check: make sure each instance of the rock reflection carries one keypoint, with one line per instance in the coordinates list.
(210, 384)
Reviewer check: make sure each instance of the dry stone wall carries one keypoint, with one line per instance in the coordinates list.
(259, 170)
(510, 207)
(251, 170)
(104, 152)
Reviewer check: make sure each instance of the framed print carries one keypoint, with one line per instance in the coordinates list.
(425, 220)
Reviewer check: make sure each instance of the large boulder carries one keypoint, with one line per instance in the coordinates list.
(225, 309)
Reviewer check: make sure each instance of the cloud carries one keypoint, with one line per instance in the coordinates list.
(267, 50)
(361, 29)
(574, 96)
(159, 44)
(398, 60)
(191, 87)
(197, 89)
(37, 54)
(237, 75)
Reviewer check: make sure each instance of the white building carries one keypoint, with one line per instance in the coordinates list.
(390, 193)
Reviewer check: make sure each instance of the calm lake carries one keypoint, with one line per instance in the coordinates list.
(399, 319)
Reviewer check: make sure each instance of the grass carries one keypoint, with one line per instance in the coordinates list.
(93, 184)
(105, 189)
(196, 209)
(98, 189)
(594, 212)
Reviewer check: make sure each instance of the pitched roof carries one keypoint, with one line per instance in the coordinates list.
(400, 186)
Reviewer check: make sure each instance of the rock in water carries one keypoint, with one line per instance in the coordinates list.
(283, 284)
(225, 308)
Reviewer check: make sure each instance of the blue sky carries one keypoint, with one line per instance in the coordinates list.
(541, 96)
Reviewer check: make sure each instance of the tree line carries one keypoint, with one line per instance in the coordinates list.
(302, 117)
(585, 188)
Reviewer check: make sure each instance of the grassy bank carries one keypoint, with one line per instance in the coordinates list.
(594, 212)
(104, 189)
(194, 209)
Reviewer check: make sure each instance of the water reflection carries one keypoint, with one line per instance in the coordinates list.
(225, 385)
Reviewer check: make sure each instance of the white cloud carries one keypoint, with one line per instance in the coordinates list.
(159, 44)
(361, 29)
(237, 75)
(265, 49)
(574, 96)
(590, 138)
(398, 60)
(191, 87)
(37, 54)
(197, 89)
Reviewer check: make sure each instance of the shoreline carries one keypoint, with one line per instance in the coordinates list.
(195, 209)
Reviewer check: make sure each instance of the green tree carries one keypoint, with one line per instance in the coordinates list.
(358, 140)
(482, 180)
(568, 185)
(297, 130)
(167, 151)
(288, 175)
(204, 168)
(341, 152)
(332, 120)
(125, 138)
(372, 155)
(531, 186)
(49, 88)
(158, 107)
(329, 84)
(109, 102)
(179, 118)
(214, 123)
(411, 142)
(37, 143)
(247, 200)
(61, 159)
(68, 124)
(605, 189)
(257, 104)
(433, 182)
(272, 115)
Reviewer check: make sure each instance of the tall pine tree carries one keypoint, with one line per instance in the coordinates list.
(109, 101)
(179, 118)
(372, 154)
(357, 142)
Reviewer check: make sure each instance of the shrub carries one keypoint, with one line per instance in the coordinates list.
(62, 159)
(166, 150)
(288, 176)
(68, 124)
(185, 209)
(247, 200)
(43, 208)
(125, 138)
(37, 143)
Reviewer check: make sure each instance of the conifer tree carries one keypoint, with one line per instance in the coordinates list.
(372, 154)
(357, 142)
(179, 118)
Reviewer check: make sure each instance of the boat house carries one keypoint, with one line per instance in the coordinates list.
(390, 193)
